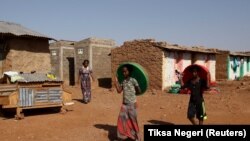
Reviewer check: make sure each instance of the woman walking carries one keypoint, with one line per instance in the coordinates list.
(84, 76)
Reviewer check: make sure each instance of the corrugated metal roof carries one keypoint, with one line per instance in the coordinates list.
(36, 77)
(19, 30)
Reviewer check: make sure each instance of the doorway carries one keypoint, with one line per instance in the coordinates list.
(71, 71)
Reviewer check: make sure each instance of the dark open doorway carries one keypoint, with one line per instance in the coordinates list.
(71, 71)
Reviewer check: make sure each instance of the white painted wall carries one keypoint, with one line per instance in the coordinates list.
(245, 65)
(170, 64)
(168, 69)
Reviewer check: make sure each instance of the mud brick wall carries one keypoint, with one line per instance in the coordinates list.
(144, 53)
(221, 64)
(27, 54)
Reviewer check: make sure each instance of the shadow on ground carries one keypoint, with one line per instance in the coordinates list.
(158, 122)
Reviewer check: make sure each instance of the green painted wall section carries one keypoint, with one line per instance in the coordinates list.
(241, 70)
(228, 67)
(248, 64)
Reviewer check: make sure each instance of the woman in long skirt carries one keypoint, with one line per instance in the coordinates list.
(84, 76)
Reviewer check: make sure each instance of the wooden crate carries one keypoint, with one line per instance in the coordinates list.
(34, 95)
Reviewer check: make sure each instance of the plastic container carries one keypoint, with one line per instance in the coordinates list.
(138, 73)
(202, 72)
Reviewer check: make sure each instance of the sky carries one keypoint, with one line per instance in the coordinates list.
(222, 24)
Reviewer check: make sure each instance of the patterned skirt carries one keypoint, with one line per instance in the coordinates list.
(86, 88)
(127, 125)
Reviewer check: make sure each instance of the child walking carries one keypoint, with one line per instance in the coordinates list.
(196, 104)
(127, 125)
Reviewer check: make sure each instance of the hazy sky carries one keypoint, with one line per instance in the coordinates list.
(223, 24)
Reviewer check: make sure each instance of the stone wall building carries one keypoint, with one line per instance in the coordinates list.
(97, 51)
(63, 60)
(67, 58)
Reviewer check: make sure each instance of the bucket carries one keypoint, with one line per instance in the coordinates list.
(138, 73)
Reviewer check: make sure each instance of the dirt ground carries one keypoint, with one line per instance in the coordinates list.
(96, 121)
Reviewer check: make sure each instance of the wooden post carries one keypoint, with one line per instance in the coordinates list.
(19, 114)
